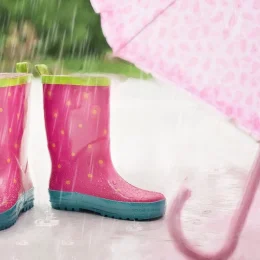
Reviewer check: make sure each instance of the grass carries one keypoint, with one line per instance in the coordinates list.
(92, 65)
(88, 65)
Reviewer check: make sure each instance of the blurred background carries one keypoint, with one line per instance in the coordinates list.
(64, 34)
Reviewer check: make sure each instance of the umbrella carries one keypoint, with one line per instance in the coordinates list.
(209, 48)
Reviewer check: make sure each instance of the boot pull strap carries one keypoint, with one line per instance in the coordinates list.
(23, 67)
(42, 69)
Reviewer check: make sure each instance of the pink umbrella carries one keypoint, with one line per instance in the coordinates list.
(211, 49)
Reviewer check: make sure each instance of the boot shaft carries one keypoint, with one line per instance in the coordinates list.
(76, 110)
(75, 115)
(14, 95)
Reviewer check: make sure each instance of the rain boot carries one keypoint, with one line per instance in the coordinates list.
(83, 177)
(16, 189)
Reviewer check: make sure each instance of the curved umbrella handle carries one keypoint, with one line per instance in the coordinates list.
(236, 226)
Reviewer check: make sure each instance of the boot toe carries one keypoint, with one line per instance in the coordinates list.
(148, 196)
(130, 193)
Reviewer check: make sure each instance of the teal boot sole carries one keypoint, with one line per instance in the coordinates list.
(9, 217)
(73, 201)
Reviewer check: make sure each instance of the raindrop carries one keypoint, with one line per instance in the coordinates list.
(67, 242)
(135, 227)
(22, 243)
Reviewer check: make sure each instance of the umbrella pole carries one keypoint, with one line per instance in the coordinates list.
(236, 226)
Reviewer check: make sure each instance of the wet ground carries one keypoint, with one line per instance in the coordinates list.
(160, 136)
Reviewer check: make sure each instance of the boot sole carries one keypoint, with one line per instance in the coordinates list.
(9, 217)
(73, 201)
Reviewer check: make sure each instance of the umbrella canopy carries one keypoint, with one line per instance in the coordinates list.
(207, 47)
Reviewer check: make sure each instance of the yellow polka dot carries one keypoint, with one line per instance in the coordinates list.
(101, 162)
(90, 176)
(16, 146)
(59, 166)
(73, 154)
(68, 103)
(53, 145)
(67, 182)
(1, 110)
(9, 94)
(10, 130)
(49, 93)
(89, 146)
(15, 181)
(80, 125)
(95, 110)
(118, 190)
(105, 132)
(8, 160)
(85, 95)
(62, 132)
(55, 115)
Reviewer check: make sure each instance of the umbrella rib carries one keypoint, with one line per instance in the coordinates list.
(146, 25)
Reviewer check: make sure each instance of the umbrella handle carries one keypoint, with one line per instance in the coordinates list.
(235, 229)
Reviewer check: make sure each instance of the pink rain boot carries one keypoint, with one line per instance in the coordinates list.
(16, 190)
(83, 176)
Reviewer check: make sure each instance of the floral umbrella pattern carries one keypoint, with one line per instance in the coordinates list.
(208, 47)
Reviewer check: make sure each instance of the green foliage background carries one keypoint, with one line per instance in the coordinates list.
(68, 33)
(64, 27)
